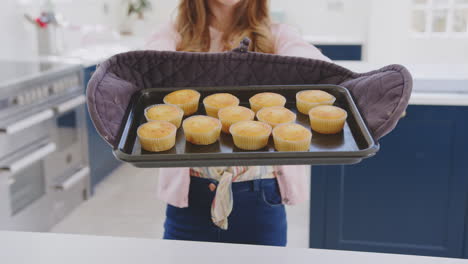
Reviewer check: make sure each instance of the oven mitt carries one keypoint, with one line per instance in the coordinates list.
(381, 95)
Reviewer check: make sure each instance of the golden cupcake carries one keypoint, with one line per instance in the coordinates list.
(233, 114)
(164, 112)
(156, 136)
(250, 135)
(262, 100)
(201, 130)
(276, 115)
(215, 102)
(327, 119)
(306, 100)
(186, 99)
(291, 137)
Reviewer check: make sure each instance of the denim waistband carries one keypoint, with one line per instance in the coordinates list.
(245, 186)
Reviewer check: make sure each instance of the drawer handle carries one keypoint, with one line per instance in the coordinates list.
(27, 122)
(71, 104)
(30, 158)
(74, 179)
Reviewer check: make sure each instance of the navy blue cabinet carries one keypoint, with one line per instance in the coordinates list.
(101, 159)
(411, 198)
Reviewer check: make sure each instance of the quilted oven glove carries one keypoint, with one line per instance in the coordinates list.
(381, 95)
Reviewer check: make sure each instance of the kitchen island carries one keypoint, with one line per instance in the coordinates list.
(412, 197)
(39, 248)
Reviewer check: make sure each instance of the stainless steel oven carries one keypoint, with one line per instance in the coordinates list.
(67, 169)
(44, 171)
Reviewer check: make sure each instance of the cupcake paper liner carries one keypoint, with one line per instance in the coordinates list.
(304, 106)
(213, 111)
(203, 138)
(288, 145)
(250, 142)
(158, 144)
(189, 108)
(177, 121)
(327, 126)
(256, 107)
(226, 124)
(272, 124)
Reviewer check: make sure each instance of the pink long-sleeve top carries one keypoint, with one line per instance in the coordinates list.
(174, 183)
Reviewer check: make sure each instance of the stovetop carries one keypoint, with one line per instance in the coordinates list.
(16, 71)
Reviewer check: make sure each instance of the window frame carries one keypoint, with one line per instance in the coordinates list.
(429, 8)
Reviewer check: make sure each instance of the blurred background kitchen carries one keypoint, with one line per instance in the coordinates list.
(58, 175)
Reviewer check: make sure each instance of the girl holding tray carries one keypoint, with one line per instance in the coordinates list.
(230, 204)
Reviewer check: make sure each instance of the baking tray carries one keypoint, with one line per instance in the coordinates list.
(350, 146)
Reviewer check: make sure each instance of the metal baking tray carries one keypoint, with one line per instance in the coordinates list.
(350, 146)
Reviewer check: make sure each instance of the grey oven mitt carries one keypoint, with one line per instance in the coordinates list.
(381, 95)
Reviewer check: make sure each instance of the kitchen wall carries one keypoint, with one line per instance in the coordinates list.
(383, 26)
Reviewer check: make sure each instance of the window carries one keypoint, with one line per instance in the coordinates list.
(440, 18)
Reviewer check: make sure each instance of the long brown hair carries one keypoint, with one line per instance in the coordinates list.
(251, 19)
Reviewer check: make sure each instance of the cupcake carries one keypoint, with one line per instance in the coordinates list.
(327, 119)
(291, 137)
(309, 99)
(156, 136)
(261, 100)
(276, 115)
(164, 112)
(250, 135)
(201, 130)
(186, 99)
(233, 114)
(215, 102)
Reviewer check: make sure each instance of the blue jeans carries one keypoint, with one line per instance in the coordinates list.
(258, 216)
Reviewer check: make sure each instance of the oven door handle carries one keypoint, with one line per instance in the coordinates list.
(70, 104)
(27, 122)
(30, 158)
(74, 179)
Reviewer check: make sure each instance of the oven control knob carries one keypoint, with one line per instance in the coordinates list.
(45, 90)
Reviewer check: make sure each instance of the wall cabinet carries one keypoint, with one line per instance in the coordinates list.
(411, 198)
(341, 52)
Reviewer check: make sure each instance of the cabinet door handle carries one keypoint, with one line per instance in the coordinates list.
(71, 104)
(30, 158)
(74, 179)
(27, 122)
(10, 180)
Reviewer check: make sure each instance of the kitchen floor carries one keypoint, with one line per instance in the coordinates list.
(125, 204)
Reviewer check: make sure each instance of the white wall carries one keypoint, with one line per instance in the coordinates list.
(390, 39)
(18, 37)
(317, 17)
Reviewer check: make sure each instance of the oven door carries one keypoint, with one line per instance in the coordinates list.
(24, 203)
(22, 130)
(69, 133)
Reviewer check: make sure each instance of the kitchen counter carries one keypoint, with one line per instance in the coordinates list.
(38, 248)
(434, 84)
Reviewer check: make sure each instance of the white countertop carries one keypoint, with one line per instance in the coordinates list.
(38, 248)
(434, 84)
